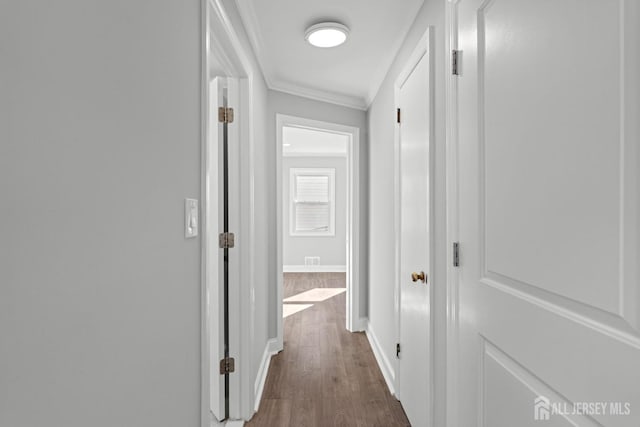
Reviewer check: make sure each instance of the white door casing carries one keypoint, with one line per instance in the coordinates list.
(415, 171)
(547, 302)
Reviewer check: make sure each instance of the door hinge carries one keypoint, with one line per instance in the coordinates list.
(227, 365)
(226, 240)
(455, 62)
(398, 350)
(225, 115)
(456, 254)
(398, 116)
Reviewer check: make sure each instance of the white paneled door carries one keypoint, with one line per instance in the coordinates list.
(214, 269)
(416, 219)
(548, 156)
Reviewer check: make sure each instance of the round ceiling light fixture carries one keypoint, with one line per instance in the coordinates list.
(327, 34)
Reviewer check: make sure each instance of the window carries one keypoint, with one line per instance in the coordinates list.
(312, 201)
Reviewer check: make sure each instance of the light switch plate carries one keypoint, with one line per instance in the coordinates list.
(191, 223)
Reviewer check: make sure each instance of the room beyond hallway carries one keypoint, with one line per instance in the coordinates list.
(326, 376)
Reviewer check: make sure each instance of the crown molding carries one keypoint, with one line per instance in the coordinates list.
(349, 101)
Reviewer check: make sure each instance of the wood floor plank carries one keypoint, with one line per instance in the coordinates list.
(304, 413)
(273, 412)
(326, 376)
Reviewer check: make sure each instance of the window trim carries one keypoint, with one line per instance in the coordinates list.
(331, 174)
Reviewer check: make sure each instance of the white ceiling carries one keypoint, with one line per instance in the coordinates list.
(349, 74)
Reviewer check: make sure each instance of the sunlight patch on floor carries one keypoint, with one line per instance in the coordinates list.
(316, 295)
(293, 304)
(289, 309)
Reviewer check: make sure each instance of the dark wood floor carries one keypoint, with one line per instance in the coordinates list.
(325, 376)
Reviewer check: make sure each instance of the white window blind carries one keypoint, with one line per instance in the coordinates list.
(312, 201)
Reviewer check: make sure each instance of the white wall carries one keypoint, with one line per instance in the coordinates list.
(99, 146)
(100, 295)
(332, 250)
(283, 103)
(381, 120)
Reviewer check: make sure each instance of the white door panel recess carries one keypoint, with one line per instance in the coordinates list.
(548, 298)
(415, 172)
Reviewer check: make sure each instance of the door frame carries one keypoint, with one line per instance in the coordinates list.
(217, 34)
(452, 213)
(354, 321)
(425, 46)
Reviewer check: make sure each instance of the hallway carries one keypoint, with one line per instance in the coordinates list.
(325, 376)
(473, 165)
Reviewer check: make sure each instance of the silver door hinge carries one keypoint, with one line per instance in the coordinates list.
(227, 365)
(226, 240)
(456, 254)
(455, 62)
(398, 350)
(225, 115)
(398, 116)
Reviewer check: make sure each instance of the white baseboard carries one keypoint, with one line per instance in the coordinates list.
(385, 366)
(314, 268)
(269, 350)
(273, 346)
(360, 325)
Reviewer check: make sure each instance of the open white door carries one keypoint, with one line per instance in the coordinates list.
(214, 256)
(549, 213)
(228, 331)
(416, 235)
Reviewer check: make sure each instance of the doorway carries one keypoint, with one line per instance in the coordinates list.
(318, 163)
(225, 394)
(314, 178)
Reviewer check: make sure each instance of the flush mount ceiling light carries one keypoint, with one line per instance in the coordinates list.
(327, 34)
